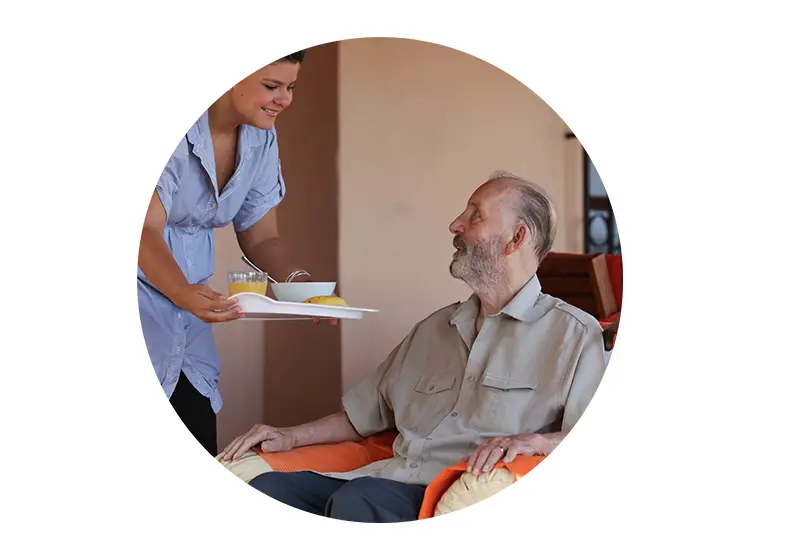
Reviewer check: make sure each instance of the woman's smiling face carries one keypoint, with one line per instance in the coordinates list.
(260, 97)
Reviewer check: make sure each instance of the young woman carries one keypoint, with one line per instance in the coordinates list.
(225, 169)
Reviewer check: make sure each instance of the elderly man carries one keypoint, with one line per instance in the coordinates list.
(507, 372)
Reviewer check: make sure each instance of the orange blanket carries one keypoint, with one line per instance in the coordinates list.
(519, 466)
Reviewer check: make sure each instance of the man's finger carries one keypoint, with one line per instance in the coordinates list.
(474, 457)
(245, 445)
(511, 454)
(480, 460)
(235, 448)
(228, 453)
(225, 451)
(250, 439)
(494, 455)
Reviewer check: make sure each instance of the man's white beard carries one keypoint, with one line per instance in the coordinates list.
(479, 265)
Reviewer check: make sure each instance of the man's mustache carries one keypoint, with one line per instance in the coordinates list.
(458, 243)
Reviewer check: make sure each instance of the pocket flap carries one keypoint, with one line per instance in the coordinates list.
(435, 383)
(507, 384)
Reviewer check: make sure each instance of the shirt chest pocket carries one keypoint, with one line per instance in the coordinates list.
(512, 407)
(432, 397)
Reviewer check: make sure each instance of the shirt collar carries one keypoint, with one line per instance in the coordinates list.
(520, 307)
(249, 136)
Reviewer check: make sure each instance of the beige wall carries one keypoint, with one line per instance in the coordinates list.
(421, 126)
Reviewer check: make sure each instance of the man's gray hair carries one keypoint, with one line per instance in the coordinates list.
(535, 210)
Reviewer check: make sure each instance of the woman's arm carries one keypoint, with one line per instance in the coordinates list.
(262, 244)
(157, 263)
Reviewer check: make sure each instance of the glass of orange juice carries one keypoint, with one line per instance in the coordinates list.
(247, 282)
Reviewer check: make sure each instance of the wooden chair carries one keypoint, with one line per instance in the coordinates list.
(584, 280)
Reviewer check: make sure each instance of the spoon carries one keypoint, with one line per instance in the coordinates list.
(254, 267)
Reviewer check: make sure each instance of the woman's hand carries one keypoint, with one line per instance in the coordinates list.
(206, 304)
(271, 440)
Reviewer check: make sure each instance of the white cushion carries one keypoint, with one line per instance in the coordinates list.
(248, 466)
(470, 489)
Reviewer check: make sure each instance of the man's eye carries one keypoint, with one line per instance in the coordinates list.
(475, 214)
(271, 87)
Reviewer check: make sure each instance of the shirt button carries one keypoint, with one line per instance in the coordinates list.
(430, 388)
(454, 415)
(180, 315)
(428, 438)
(471, 378)
(414, 465)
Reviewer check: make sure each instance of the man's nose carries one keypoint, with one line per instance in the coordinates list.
(456, 227)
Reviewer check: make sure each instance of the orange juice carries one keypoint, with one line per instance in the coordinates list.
(258, 287)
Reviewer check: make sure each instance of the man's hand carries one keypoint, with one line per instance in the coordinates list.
(508, 448)
(271, 439)
(207, 305)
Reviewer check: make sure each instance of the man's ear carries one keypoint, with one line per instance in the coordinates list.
(517, 239)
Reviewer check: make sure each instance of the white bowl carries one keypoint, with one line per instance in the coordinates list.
(300, 291)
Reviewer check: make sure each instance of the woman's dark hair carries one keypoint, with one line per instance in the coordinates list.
(296, 57)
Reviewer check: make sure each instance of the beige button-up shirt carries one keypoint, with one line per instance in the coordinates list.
(533, 368)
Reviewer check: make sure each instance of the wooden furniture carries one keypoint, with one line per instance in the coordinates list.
(580, 280)
(591, 282)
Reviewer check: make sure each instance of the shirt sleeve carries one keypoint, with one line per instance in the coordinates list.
(169, 182)
(268, 189)
(589, 372)
(368, 404)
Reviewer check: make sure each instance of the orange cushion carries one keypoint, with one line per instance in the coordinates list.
(520, 466)
(341, 457)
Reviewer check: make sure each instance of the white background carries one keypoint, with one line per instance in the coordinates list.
(694, 426)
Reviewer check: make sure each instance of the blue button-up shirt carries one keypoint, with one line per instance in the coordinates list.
(177, 340)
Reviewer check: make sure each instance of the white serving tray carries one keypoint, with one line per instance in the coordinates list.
(259, 307)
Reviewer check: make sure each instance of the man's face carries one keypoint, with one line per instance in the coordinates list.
(481, 235)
